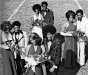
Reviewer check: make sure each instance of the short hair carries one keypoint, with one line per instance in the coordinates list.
(44, 2)
(70, 13)
(36, 6)
(16, 23)
(79, 11)
(5, 25)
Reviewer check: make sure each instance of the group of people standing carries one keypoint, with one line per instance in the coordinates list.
(20, 51)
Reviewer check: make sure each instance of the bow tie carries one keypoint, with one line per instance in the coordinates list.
(80, 20)
(49, 41)
(18, 32)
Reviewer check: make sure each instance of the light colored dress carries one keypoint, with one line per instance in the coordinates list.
(39, 17)
(8, 58)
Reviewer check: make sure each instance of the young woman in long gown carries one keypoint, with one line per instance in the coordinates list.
(8, 58)
(70, 46)
(34, 48)
(37, 17)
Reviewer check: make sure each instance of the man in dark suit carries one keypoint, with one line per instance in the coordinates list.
(47, 14)
(53, 44)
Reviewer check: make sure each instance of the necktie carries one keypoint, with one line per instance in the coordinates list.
(16, 40)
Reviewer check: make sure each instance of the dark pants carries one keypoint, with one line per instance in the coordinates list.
(19, 65)
(70, 60)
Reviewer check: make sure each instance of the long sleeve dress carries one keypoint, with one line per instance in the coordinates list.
(8, 58)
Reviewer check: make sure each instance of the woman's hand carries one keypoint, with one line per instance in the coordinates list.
(52, 69)
(49, 57)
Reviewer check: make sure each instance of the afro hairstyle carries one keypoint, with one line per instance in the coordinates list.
(49, 29)
(36, 6)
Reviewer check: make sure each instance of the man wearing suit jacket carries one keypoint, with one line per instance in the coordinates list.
(20, 39)
(53, 43)
(47, 14)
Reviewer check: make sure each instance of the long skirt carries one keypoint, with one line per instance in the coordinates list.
(70, 48)
(8, 63)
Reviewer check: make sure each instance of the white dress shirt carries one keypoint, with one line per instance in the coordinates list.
(22, 43)
(83, 25)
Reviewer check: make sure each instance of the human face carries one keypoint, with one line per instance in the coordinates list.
(49, 36)
(7, 30)
(44, 7)
(71, 18)
(79, 16)
(16, 28)
(31, 38)
(36, 11)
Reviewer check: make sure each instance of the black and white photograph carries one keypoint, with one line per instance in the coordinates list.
(43, 37)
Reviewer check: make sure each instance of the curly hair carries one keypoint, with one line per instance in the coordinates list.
(70, 13)
(36, 6)
(49, 29)
(5, 25)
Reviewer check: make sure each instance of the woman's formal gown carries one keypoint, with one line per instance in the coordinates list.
(70, 48)
(38, 68)
(8, 58)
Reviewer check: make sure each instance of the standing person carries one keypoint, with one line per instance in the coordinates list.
(37, 17)
(82, 26)
(21, 40)
(47, 14)
(70, 42)
(37, 20)
(6, 42)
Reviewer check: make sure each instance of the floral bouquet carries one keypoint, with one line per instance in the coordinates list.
(80, 35)
(33, 60)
